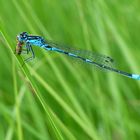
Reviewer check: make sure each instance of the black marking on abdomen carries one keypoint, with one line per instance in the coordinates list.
(48, 46)
(66, 53)
(84, 59)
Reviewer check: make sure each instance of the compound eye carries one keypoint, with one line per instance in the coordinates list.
(24, 34)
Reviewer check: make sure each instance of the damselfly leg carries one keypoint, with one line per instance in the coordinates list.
(29, 49)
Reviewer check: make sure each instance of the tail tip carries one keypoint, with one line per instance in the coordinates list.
(136, 76)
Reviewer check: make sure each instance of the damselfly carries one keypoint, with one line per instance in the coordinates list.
(98, 60)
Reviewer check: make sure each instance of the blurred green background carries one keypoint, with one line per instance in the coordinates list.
(54, 98)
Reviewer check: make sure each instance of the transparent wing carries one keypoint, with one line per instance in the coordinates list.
(95, 57)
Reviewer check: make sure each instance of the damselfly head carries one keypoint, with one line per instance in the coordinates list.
(22, 37)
